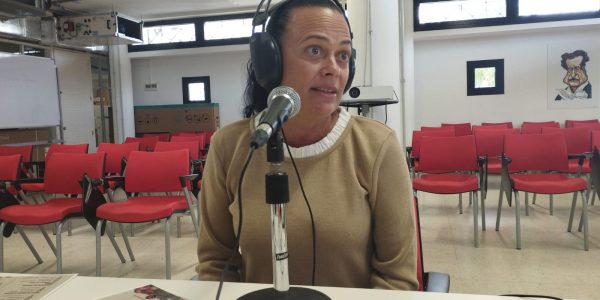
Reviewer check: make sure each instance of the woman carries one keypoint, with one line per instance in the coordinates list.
(352, 168)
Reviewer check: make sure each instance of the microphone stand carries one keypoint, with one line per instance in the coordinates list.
(277, 194)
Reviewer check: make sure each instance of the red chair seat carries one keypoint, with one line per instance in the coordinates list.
(574, 166)
(494, 166)
(547, 183)
(51, 211)
(142, 209)
(33, 187)
(446, 183)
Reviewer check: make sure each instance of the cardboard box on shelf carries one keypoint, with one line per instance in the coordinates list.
(21, 136)
(172, 118)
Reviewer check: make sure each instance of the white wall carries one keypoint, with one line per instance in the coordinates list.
(227, 71)
(440, 75)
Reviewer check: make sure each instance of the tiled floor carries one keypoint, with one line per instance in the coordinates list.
(552, 261)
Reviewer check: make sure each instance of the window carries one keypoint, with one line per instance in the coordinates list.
(195, 32)
(169, 34)
(450, 14)
(228, 29)
(443, 11)
(485, 77)
(196, 89)
(545, 7)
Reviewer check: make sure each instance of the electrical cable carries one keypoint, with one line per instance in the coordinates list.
(240, 219)
(312, 220)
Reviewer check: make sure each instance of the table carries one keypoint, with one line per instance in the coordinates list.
(82, 287)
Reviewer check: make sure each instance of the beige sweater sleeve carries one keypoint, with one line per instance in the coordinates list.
(217, 237)
(394, 259)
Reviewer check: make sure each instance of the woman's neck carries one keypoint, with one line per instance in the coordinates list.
(300, 132)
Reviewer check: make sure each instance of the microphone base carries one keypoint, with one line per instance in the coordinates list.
(294, 293)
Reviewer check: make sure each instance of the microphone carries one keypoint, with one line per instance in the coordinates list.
(283, 103)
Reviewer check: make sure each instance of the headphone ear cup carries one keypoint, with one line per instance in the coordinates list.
(351, 70)
(266, 60)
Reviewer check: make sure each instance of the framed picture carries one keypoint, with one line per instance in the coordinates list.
(572, 75)
(485, 77)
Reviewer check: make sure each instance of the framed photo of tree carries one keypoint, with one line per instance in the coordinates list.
(485, 77)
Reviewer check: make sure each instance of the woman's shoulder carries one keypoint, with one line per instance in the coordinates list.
(370, 130)
(233, 130)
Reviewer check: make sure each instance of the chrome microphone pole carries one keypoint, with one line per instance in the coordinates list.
(277, 196)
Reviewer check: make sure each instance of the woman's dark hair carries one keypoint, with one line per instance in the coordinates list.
(255, 96)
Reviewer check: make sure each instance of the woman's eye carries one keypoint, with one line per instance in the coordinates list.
(314, 50)
(344, 56)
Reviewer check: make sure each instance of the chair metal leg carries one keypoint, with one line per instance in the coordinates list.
(585, 221)
(518, 219)
(534, 198)
(460, 204)
(116, 246)
(2, 225)
(29, 245)
(59, 247)
(527, 203)
(99, 248)
(551, 204)
(476, 221)
(470, 199)
(47, 237)
(179, 225)
(168, 247)
(126, 240)
(131, 230)
(198, 212)
(499, 209)
(482, 211)
(195, 218)
(593, 198)
(69, 228)
(572, 214)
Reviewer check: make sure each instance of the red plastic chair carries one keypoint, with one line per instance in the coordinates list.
(507, 124)
(579, 143)
(116, 154)
(191, 146)
(571, 123)
(545, 153)
(428, 281)
(25, 152)
(37, 184)
(64, 172)
(413, 152)
(491, 127)
(146, 143)
(536, 127)
(162, 137)
(460, 128)
(592, 126)
(150, 172)
(456, 157)
(200, 139)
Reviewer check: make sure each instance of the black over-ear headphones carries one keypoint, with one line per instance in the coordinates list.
(265, 53)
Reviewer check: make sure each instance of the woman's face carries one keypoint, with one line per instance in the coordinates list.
(316, 49)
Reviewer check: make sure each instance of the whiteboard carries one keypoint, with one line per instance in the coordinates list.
(28, 92)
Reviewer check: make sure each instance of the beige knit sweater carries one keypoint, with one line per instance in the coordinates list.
(360, 193)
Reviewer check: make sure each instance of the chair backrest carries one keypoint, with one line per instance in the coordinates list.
(491, 142)
(64, 171)
(536, 152)
(209, 135)
(156, 171)
(192, 146)
(162, 137)
(448, 154)
(146, 143)
(593, 126)
(115, 154)
(66, 148)
(200, 139)
(595, 139)
(460, 128)
(418, 135)
(9, 167)
(492, 127)
(507, 124)
(579, 140)
(25, 151)
(571, 123)
(536, 127)
(431, 128)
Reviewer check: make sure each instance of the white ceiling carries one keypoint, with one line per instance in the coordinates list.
(159, 9)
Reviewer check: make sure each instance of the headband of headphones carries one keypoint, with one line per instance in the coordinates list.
(267, 61)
